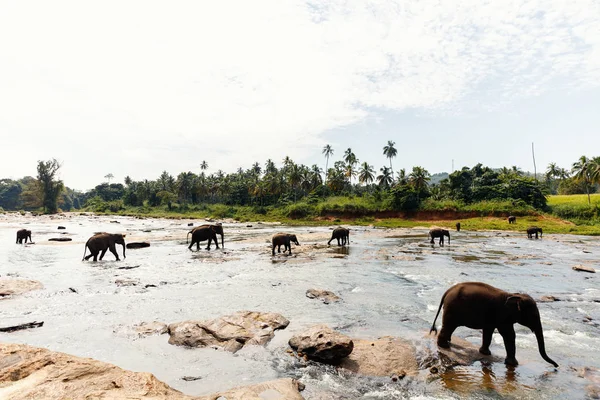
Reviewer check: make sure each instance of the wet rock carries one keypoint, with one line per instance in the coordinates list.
(321, 343)
(144, 329)
(137, 245)
(280, 389)
(191, 224)
(191, 378)
(324, 295)
(230, 332)
(114, 222)
(126, 282)
(592, 376)
(386, 356)
(16, 286)
(548, 299)
(34, 373)
(461, 352)
(248, 226)
(60, 239)
(61, 227)
(584, 268)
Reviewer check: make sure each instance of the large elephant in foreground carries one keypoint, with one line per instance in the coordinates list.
(101, 242)
(340, 233)
(477, 305)
(534, 230)
(439, 233)
(206, 232)
(284, 239)
(23, 234)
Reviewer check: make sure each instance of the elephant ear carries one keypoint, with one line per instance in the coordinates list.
(513, 303)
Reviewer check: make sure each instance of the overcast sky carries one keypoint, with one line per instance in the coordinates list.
(137, 87)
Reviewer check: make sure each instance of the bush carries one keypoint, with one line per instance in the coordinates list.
(300, 210)
(404, 198)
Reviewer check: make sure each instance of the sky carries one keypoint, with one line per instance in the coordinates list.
(138, 87)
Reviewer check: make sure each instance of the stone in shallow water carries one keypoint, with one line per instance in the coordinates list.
(230, 332)
(321, 343)
(584, 268)
(385, 356)
(16, 286)
(324, 295)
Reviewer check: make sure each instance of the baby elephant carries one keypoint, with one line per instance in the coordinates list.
(340, 233)
(477, 305)
(534, 230)
(439, 233)
(512, 219)
(23, 234)
(284, 239)
(101, 242)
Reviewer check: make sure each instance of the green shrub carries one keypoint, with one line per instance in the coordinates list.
(300, 210)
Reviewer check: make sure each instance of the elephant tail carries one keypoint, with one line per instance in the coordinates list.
(187, 238)
(85, 249)
(433, 328)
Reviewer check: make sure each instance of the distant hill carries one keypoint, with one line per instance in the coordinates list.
(437, 178)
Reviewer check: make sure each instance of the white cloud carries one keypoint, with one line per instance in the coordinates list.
(140, 86)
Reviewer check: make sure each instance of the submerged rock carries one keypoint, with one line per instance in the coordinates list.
(137, 245)
(592, 377)
(324, 295)
(548, 299)
(584, 268)
(321, 343)
(279, 389)
(35, 373)
(386, 356)
(16, 286)
(150, 328)
(461, 352)
(230, 332)
(60, 239)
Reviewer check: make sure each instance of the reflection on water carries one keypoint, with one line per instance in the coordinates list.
(390, 285)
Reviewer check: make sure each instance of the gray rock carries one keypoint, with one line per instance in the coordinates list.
(324, 295)
(321, 343)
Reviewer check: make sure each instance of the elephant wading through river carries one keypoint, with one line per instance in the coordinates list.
(284, 239)
(23, 234)
(101, 242)
(340, 233)
(534, 230)
(477, 305)
(206, 232)
(439, 233)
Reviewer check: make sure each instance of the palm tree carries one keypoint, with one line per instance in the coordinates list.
(351, 161)
(366, 174)
(582, 171)
(595, 170)
(402, 177)
(328, 151)
(385, 179)
(390, 152)
(315, 178)
(552, 172)
(204, 166)
(419, 179)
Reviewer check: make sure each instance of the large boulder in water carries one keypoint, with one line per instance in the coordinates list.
(230, 332)
(34, 373)
(279, 389)
(385, 356)
(16, 286)
(321, 343)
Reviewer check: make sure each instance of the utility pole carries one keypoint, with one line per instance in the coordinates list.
(534, 168)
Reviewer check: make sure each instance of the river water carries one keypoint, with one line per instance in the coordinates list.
(391, 282)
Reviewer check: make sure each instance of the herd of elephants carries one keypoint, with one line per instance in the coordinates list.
(475, 305)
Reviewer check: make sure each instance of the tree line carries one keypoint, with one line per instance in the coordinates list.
(268, 185)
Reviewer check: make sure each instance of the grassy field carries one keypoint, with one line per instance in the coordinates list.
(573, 199)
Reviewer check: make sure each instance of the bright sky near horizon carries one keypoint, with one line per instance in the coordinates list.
(138, 87)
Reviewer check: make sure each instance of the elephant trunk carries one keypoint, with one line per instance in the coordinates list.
(123, 250)
(539, 334)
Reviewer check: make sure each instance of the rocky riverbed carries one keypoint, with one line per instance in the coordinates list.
(381, 292)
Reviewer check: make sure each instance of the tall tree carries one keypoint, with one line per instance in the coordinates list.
(328, 151)
(385, 179)
(366, 174)
(109, 177)
(390, 152)
(419, 179)
(582, 173)
(51, 187)
(204, 166)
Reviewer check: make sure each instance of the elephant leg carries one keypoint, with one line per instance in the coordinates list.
(89, 256)
(509, 336)
(96, 256)
(328, 243)
(279, 248)
(190, 246)
(273, 250)
(102, 254)
(488, 331)
(114, 251)
(197, 245)
(338, 240)
(445, 335)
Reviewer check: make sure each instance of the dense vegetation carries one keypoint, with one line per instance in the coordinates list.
(348, 188)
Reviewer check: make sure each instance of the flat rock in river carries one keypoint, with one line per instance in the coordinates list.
(321, 343)
(584, 268)
(16, 286)
(279, 389)
(385, 356)
(324, 295)
(231, 332)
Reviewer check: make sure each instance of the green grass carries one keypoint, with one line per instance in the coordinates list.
(573, 199)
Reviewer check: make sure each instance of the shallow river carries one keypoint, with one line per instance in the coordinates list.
(391, 282)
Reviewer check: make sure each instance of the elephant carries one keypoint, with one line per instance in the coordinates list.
(23, 234)
(284, 239)
(340, 233)
(101, 242)
(512, 219)
(534, 230)
(477, 305)
(439, 233)
(458, 227)
(206, 232)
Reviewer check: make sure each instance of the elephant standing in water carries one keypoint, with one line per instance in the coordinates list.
(458, 227)
(340, 233)
(101, 242)
(477, 305)
(439, 233)
(23, 234)
(284, 239)
(534, 230)
(512, 219)
(206, 232)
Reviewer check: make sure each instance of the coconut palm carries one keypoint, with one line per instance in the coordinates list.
(419, 178)
(385, 178)
(553, 171)
(582, 171)
(390, 152)
(328, 151)
(366, 174)
(204, 166)
(402, 179)
(351, 161)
